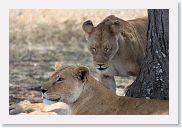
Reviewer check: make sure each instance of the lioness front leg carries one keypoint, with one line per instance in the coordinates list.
(108, 82)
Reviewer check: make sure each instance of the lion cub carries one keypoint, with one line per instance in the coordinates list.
(74, 86)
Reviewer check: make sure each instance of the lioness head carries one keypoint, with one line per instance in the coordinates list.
(65, 84)
(103, 40)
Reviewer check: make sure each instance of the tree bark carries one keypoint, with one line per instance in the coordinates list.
(153, 79)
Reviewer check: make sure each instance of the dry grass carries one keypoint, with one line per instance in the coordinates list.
(57, 26)
(39, 38)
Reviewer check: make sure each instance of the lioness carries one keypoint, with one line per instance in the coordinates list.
(117, 46)
(28, 108)
(86, 96)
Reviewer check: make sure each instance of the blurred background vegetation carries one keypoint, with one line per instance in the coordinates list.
(40, 38)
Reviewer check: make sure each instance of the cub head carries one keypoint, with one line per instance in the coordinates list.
(65, 84)
(103, 40)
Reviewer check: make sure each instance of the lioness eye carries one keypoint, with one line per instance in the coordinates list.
(59, 78)
(94, 49)
(106, 49)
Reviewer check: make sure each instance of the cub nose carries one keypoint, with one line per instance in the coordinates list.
(44, 90)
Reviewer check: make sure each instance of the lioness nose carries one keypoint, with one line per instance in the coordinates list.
(44, 90)
(100, 65)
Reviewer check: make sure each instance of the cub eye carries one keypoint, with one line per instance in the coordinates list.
(59, 79)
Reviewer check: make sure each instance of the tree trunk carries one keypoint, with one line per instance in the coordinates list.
(153, 79)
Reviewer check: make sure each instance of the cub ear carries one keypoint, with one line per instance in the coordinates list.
(81, 73)
(116, 26)
(88, 26)
(57, 66)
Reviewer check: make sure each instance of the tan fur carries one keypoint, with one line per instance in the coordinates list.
(118, 45)
(93, 98)
(27, 108)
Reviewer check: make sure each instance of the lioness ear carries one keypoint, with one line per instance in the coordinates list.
(88, 26)
(116, 26)
(81, 72)
(57, 66)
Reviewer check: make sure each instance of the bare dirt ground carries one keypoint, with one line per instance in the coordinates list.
(40, 38)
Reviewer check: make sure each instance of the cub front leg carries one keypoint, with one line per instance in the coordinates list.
(108, 82)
